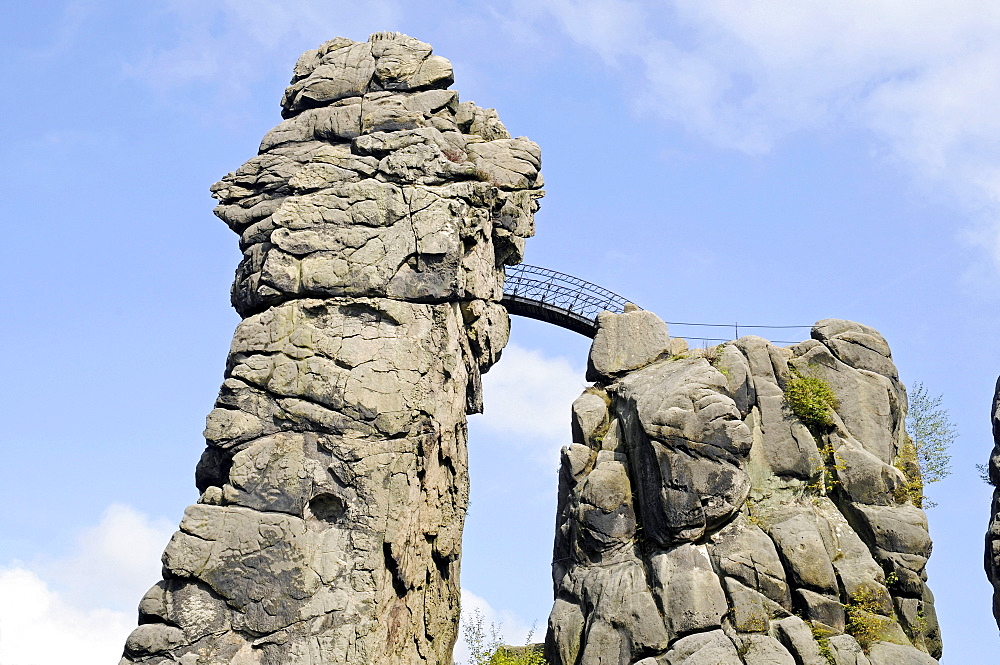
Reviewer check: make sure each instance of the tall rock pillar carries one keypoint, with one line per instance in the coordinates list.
(375, 223)
(745, 504)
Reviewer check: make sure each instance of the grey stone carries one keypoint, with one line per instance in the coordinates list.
(738, 376)
(625, 342)
(686, 445)
(590, 416)
(565, 630)
(865, 477)
(763, 650)
(689, 591)
(605, 508)
(820, 609)
(744, 552)
(798, 639)
(855, 566)
(791, 450)
(678, 346)
(870, 407)
(710, 648)
(885, 653)
(901, 528)
(624, 619)
(153, 638)
(918, 619)
(846, 651)
(720, 470)
(800, 545)
(370, 188)
(749, 610)
(857, 345)
(695, 510)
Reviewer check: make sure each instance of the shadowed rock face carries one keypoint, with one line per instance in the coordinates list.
(700, 522)
(993, 533)
(374, 224)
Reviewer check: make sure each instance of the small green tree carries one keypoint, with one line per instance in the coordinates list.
(486, 645)
(932, 433)
(482, 642)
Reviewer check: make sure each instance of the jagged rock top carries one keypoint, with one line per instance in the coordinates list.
(379, 183)
(343, 68)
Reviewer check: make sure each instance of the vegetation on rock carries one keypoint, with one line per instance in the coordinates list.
(822, 638)
(912, 490)
(932, 431)
(930, 434)
(864, 621)
(811, 400)
(486, 645)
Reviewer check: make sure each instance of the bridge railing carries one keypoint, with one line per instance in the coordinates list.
(555, 297)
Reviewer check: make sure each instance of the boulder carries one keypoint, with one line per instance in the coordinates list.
(625, 342)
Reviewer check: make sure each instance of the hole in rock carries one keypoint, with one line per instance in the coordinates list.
(327, 507)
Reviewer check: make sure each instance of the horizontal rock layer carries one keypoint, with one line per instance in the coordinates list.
(700, 521)
(374, 224)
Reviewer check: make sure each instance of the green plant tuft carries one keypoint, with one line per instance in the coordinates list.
(912, 490)
(812, 400)
(713, 355)
(864, 620)
(822, 638)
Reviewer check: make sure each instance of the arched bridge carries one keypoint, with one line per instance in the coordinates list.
(557, 298)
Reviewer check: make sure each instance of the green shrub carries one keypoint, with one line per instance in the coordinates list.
(912, 489)
(526, 655)
(811, 400)
(864, 622)
(486, 646)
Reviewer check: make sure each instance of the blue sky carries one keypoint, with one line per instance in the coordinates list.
(719, 162)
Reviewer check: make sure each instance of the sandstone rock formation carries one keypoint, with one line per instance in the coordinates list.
(701, 522)
(993, 533)
(375, 223)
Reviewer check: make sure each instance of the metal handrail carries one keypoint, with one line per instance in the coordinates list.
(558, 298)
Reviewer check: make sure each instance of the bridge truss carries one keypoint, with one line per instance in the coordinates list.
(557, 298)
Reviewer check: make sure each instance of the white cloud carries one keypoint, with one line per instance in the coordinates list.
(528, 395)
(83, 603)
(113, 562)
(37, 625)
(921, 76)
(511, 629)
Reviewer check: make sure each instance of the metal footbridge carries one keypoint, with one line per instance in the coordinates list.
(557, 298)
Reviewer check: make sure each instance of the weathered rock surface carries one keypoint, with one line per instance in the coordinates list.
(737, 532)
(374, 224)
(625, 342)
